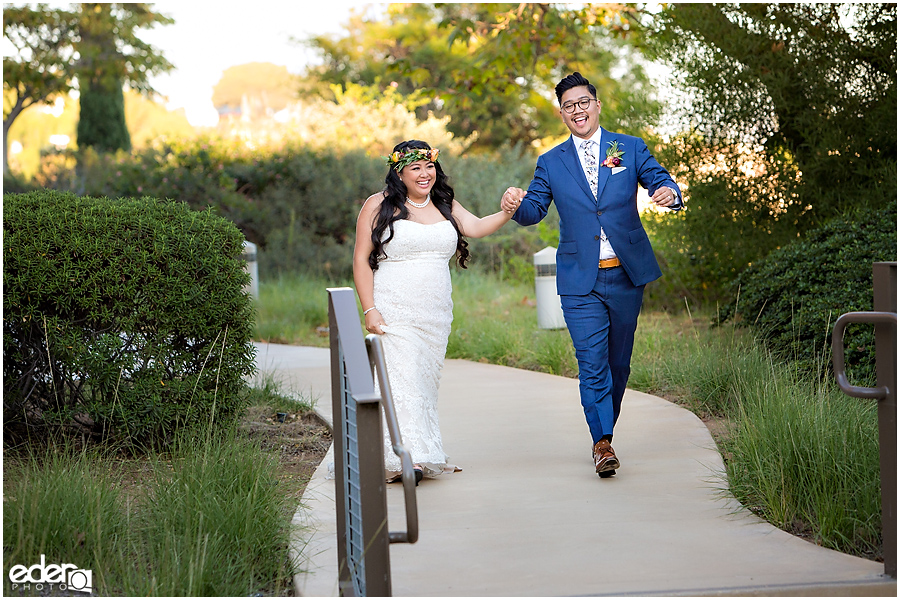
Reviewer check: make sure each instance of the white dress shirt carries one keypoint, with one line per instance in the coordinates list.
(606, 249)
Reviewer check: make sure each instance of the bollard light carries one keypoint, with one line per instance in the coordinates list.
(549, 306)
(249, 257)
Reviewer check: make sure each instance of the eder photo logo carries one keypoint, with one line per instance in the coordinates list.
(41, 577)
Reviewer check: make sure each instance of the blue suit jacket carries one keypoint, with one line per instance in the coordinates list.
(559, 177)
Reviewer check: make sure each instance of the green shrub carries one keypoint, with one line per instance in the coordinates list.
(312, 199)
(794, 296)
(479, 182)
(125, 318)
(312, 204)
(101, 116)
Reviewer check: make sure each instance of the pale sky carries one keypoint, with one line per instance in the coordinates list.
(208, 37)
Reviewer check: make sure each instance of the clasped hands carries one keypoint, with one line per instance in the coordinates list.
(511, 199)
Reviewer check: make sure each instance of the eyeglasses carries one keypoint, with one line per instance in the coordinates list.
(582, 103)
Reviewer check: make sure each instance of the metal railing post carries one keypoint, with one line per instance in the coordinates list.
(885, 296)
(340, 442)
(360, 496)
(360, 500)
(884, 277)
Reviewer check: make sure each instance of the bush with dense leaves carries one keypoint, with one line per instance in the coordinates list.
(124, 318)
(794, 296)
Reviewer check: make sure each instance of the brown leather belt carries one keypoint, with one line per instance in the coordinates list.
(609, 263)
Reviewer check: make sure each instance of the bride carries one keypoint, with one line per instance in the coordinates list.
(405, 237)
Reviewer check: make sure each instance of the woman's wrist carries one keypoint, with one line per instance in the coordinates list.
(365, 312)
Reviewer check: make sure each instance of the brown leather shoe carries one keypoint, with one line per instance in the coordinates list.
(605, 458)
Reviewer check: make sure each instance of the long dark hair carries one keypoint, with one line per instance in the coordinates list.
(393, 208)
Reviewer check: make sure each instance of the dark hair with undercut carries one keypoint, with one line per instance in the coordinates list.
(393, 207)
(568, 82)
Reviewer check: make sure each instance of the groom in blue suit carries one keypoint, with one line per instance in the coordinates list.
(604, 258)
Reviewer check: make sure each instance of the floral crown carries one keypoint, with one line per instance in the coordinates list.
(398, 159)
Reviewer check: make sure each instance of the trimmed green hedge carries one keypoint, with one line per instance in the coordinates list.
(124, 318)
(794, 296)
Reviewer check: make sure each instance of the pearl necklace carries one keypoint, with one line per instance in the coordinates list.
(420, 204)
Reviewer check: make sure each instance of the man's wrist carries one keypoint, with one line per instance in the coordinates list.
(675, 193)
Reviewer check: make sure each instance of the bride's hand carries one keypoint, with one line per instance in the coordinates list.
(374, 321)
(511, 200)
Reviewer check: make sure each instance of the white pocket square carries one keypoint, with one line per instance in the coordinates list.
(618, 169)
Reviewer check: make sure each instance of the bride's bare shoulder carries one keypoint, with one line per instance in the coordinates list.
(374, 201)
(371, 205)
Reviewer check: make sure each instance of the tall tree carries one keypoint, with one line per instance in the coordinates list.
(111, 55)
(39, 69)
(94, 48)
(789, 118)
(492, 67)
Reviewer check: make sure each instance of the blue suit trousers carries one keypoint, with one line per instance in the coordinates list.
(602, 325)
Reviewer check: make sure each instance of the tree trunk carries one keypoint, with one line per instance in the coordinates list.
(7, 123)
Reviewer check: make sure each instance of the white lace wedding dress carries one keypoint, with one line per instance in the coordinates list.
(412, 293)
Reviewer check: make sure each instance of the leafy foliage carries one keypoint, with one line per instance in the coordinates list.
(93, 44)
(110, 49)
(39, 69)
(101, 120)
(299, 201)
(796, 294)
(146, 118)
(110, 54)
(492, 67)
(124, 318)
(788, 119)
(379, 120)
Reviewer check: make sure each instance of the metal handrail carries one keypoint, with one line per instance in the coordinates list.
(376, 360)
(361, 510)
(837, 352)
(884, 301)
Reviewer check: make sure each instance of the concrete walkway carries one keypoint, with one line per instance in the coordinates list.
(528, 517)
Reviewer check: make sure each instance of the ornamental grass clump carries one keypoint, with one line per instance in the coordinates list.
(123, 319)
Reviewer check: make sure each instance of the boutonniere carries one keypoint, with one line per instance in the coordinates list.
(613, 155)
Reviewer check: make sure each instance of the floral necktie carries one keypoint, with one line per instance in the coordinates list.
(590, 164)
